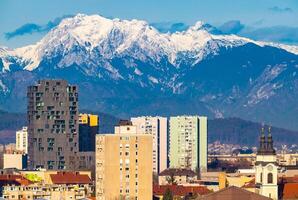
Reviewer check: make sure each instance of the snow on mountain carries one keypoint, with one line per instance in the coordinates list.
(132, 68)
(115, 37)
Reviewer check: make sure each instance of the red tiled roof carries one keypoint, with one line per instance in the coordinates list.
(70, 178)
(180, 190)
(290, 191)
(292, 179)
(19, 179)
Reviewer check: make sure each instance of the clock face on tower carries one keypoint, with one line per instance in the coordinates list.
(270, 168)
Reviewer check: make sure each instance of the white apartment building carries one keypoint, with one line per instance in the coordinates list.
(158, 128)
(22, 140)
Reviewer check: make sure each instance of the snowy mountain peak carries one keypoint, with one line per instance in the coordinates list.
(82, 38)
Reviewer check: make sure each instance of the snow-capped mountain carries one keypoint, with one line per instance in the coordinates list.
(128, 67)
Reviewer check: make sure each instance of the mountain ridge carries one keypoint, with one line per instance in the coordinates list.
(127, 67)
(228, 131)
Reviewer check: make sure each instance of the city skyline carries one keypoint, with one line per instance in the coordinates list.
(148, 100)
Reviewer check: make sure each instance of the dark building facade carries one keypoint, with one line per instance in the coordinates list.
(52, 125)
(88, 128)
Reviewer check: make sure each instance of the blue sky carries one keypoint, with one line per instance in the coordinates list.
(251, 14)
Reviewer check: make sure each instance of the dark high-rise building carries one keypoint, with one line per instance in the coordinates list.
(53, 125)
(88, 128)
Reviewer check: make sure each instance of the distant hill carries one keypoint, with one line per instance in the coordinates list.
(239, 131)
(230, 130)
(10, 122)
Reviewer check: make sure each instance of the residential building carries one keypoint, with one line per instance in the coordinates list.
(50, 185)
(22, 140)
(124, 166)
(176, 176)
(53, 125)
(88, 128)
(188, 142)
(158, 128)
(179, 191)
(48, 177)
(17, 160)
(12, 180)
(266, 177)
(48, 192)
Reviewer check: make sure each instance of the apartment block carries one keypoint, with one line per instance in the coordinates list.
(158, 128)
(22, 140)
(123, 166)
(52, 125)
(88, 128)
(188, 142)
(14, 160)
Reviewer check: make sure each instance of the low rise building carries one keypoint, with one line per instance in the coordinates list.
(177, 176)
(48, 185)
(180, 191)
(16, 160)
(50, 192)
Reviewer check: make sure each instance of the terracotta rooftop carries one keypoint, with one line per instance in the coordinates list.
(16, 179)
(180, 190)
(70, 178)
(233, 193)
(291, 179)
(177, 172)
(290, 191)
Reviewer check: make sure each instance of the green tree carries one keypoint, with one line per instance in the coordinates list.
(168, 195)
(171, 179)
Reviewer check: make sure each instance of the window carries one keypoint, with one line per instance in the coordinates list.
(261, 177)
(270, 178)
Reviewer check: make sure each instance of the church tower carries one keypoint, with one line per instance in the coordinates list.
(266, 167)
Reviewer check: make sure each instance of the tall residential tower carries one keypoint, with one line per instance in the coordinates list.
(52, 124)
(188, 142)
(124, 166)
(158, 128)
(88, 128)
(22, 140)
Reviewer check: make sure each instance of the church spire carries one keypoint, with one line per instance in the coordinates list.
(266, 146)
(270, 148)
(263, 145)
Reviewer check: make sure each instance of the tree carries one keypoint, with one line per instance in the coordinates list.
(168, 195)
(171, 179)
